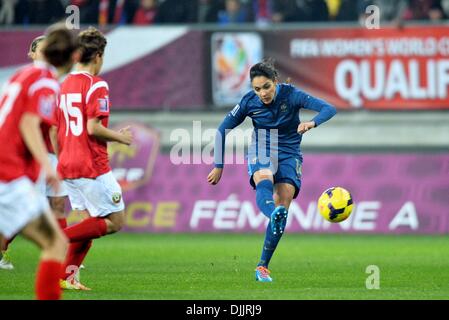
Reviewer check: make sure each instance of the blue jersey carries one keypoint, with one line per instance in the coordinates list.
(277, 122)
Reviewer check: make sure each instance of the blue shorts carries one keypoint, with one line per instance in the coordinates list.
(287, 170)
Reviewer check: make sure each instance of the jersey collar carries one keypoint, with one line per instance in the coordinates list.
(81, 72)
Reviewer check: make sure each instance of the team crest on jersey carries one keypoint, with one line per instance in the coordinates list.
(116, 197)
(46, 106)
(283, 107)
(104, 104)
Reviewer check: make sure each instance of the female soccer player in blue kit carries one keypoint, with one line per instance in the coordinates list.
(274, 156)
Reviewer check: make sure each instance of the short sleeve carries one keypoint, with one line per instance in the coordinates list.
(97, 101)
(43, 102)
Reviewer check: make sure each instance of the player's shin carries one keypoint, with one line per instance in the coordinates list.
(75, 256)
(264, 197)
(47, 280)
(270, 243)
(87, 229)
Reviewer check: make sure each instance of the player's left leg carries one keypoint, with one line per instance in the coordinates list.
(284, 193)
(286, 188)
(78, 250)
(283, 196)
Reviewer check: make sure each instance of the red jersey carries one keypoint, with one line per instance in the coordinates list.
(32, 89)
(83, 97)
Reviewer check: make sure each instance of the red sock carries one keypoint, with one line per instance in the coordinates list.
(75, 256)
(62, 223)
(90, 228)
(47, 280)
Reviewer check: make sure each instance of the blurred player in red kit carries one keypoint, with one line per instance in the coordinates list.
(55, 198)
(29, 99)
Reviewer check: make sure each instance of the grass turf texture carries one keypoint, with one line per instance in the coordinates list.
(221, 266)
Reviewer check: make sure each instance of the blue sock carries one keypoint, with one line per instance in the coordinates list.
(264, 197)
(269, 245)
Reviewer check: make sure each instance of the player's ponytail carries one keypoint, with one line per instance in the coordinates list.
(34, 44)
(59, 45)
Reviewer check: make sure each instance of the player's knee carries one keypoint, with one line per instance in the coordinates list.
(263, 174)
(118, 221)
(57, 205)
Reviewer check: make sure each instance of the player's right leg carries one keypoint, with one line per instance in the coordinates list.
(263, 180)
(102, 198)
(78, 249)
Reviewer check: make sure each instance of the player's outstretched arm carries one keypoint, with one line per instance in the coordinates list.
(96, 129)
(32, 136)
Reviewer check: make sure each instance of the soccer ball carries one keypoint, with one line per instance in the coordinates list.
(335, 204)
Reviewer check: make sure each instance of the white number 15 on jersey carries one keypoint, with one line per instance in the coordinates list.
(70, 111)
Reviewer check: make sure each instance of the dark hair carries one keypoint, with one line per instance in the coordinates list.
(35, 42)
(91, 43)
(59, 45)
(265, 69)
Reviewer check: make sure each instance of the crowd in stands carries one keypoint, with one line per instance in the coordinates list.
(222, 12)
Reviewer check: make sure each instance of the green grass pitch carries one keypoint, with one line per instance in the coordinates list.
(221, 266)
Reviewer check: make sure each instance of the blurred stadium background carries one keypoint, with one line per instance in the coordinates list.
(175, 68)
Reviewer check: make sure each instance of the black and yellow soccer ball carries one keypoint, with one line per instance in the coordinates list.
(335, 204)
